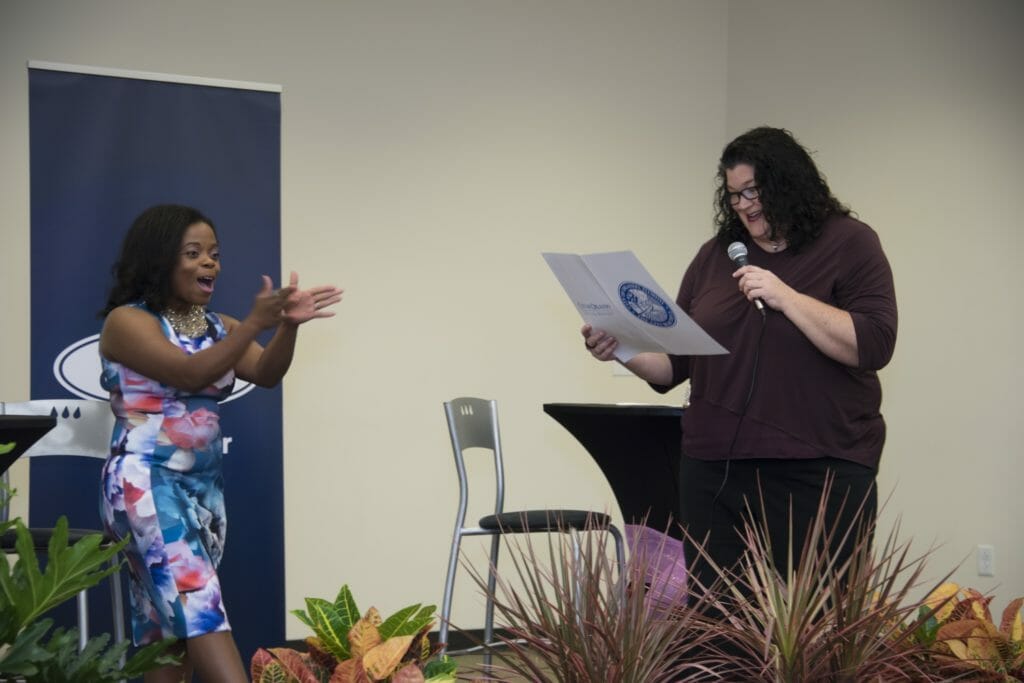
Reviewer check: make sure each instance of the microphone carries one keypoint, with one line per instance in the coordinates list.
(737, 252)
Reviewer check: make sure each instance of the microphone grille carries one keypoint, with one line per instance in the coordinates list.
(736, 250)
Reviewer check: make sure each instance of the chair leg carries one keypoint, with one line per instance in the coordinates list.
(492, 584)
(620, 556)
(83, 620)
(449, 588)
(577, 577)
(117, 604)
(620, 553)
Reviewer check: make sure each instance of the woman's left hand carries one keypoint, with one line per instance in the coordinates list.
(758, 283)
(304, 305)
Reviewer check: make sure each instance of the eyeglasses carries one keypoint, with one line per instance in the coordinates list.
(751, 193)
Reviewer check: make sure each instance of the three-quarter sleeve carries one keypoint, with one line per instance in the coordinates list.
(865, 289)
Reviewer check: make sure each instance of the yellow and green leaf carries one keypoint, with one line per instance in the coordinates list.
(381, 661)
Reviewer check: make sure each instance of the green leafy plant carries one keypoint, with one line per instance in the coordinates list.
(347, 647)
(97, 663)
(27, 593)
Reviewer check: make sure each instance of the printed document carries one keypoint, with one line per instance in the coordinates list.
(614, 292)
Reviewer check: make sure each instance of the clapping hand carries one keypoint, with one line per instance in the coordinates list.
(303, 305)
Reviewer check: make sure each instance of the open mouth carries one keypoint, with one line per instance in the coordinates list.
(206, 284)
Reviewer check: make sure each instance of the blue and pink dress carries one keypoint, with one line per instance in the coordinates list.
(163, 489)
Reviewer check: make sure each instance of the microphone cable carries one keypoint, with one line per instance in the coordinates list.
(739, 423)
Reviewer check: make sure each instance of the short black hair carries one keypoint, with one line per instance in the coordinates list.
(149, 255)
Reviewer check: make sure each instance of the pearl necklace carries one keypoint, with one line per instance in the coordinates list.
(191, 323)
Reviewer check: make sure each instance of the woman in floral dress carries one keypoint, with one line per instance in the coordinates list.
(167, 362)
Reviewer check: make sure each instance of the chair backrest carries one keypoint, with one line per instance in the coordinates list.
(84, 427)
(473, 423)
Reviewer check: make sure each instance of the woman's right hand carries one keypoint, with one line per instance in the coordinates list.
(268, 306)
(599, 343)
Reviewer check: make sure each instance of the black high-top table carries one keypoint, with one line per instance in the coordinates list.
(19, 432)
(637, 448)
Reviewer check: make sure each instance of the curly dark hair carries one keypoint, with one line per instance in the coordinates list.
(794, 196)
(149, 255)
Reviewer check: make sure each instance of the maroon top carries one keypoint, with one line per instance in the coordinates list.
(804, 404)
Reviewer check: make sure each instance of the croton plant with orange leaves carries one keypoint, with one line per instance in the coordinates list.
(349, 648)
(964, 638)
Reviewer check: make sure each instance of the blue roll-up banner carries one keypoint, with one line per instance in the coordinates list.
(103, 147)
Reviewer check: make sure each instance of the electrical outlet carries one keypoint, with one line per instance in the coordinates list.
(986, 560)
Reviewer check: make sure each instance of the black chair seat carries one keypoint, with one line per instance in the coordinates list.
(529, 521)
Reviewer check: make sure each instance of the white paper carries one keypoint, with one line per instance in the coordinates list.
(614, 292)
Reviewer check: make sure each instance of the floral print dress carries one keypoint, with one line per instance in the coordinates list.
(163, 490)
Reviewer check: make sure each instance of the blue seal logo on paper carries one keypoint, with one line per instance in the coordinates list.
(646, 305)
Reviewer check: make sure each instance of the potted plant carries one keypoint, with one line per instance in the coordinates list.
(822, 619)
(965, 641)
(572, 618)
(347, 647)
(29, 651)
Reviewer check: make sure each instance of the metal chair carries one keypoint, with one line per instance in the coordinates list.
(83, 429)
(473, 423)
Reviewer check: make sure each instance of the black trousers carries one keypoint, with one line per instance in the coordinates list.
(718, 497)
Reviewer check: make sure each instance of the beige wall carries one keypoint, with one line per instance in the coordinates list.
(432, 150)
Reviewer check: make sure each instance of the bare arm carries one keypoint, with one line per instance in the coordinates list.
(266, 367)
(134, 338)
(652, 367)
(828, 328)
